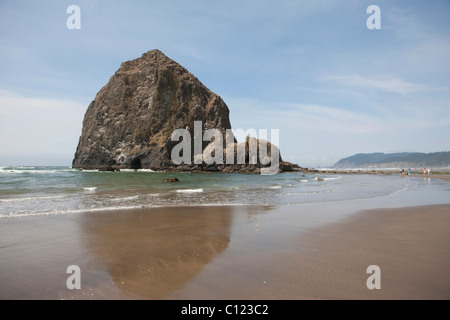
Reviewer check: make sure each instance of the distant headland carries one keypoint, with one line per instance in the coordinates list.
(396, 160)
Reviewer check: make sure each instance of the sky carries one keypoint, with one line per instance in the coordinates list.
(311, 69)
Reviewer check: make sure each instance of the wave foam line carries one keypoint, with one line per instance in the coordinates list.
(62, 212)
(335, 178)
(189, 190)
(104, 209)
(32, 198)
(125, 198)
(5, 170)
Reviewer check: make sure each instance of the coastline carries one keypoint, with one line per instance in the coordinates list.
(249, 252)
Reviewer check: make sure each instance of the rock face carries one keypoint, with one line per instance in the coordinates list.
(130, 122)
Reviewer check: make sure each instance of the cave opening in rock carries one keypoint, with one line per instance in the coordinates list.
(136, 164)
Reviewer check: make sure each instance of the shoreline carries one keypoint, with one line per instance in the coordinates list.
(252, 252)
(432, 176)
(256, 170)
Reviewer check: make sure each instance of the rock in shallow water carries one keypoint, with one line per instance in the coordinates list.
(130, 122)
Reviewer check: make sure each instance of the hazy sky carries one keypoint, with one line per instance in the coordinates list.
(311, 69)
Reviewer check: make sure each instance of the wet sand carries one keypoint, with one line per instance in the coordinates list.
(433, 176)
(131, 254)
(410, 245)
(227, 253)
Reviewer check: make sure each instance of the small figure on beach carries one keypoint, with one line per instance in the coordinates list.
(409, 172)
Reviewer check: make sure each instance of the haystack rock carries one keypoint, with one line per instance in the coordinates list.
(130, 122)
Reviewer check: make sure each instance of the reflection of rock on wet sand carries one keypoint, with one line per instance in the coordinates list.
(150, 253)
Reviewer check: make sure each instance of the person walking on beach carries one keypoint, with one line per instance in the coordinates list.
(409, 172)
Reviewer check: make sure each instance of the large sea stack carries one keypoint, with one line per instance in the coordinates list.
(130, 122)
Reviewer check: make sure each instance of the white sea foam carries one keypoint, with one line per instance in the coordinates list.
(125, 198)
(118, 208)
(334, 178)
(326, 179)
(215, 204)
(308, 192)
(71, 211)
(138, 170)
(275, 187)
(298, 193)
(303, 180)
(13, 167)
(189, 190)
(32, 198)
(90, 189)
(33, 171)
(20, 171)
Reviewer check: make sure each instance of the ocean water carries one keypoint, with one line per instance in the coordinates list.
(28, 191)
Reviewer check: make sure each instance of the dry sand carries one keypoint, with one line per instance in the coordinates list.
(207, 253)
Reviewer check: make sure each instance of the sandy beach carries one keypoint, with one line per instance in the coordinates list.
(410, 245)
(227, 253)
(216, 151)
